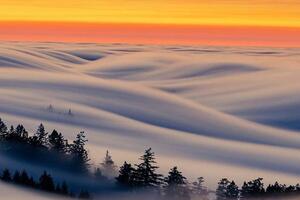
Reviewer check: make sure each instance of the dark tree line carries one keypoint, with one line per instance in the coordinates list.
(59, 151)
(143, 176)
(228, 190)
(44, 183)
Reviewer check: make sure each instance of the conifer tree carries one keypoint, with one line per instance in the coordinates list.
(21, 133)
(108, 166)
(17, 177)
(58, 188)
(84, 194)
(24, 179)
(253, 188)
(57, 142)
(3, 130)
(79, 153)
(6, 176)
(232, 192)
(125, 177)
(221, 191)
(176, 186)
(64, 188)
(40, 136)
(145, 175)
(199, 189)
(46, 182)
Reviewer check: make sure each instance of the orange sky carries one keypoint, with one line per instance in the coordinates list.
(215, 22)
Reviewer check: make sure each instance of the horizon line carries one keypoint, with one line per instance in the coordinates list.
(136, 33)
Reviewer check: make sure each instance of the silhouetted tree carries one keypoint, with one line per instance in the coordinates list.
(232, 191)
(32, 183)
(221, 191)
(57, 142)
(64, 188)
(3, 130)
(24, 179)
(84, 194)
(276, 189)
(46, 182)
(98, 175)
(17, 177)
(108, 166)
(6, 176)
(145, 175)
(50, 108)
(58, 188)
(19, 134)
(11, 133)
(176, 186)
(199, 189)
(40, 136)
(125, 177)
(70, 113)
(253, 188)
(79, 153)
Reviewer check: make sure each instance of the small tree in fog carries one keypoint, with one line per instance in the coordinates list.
(176, 186)
(108, 166)
(199, 189)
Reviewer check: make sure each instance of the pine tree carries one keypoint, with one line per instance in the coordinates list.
(41, 136)
(17, 177)
(46, 182)
(24, 179)
(125, 177)
(6, 176)
(98, 174)
(32, 183)
(3, 129)
(199, 189)
(64, 188)
(145, 175)
(84, 194)
(11, 134)
(57, 142)
(222, 189)
(176, 186)
(50, 108)
(253, 189)
(79, 153)
(276, 189)
(58, 188)
(21, 133)
(108, 166)
(232, 192)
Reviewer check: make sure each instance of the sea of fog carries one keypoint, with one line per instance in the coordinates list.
(212, 111)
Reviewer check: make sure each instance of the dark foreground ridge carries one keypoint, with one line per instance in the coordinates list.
(130, 179)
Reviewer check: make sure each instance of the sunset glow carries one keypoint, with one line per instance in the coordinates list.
(132, 16)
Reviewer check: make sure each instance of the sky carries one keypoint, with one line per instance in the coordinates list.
(132, 21)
